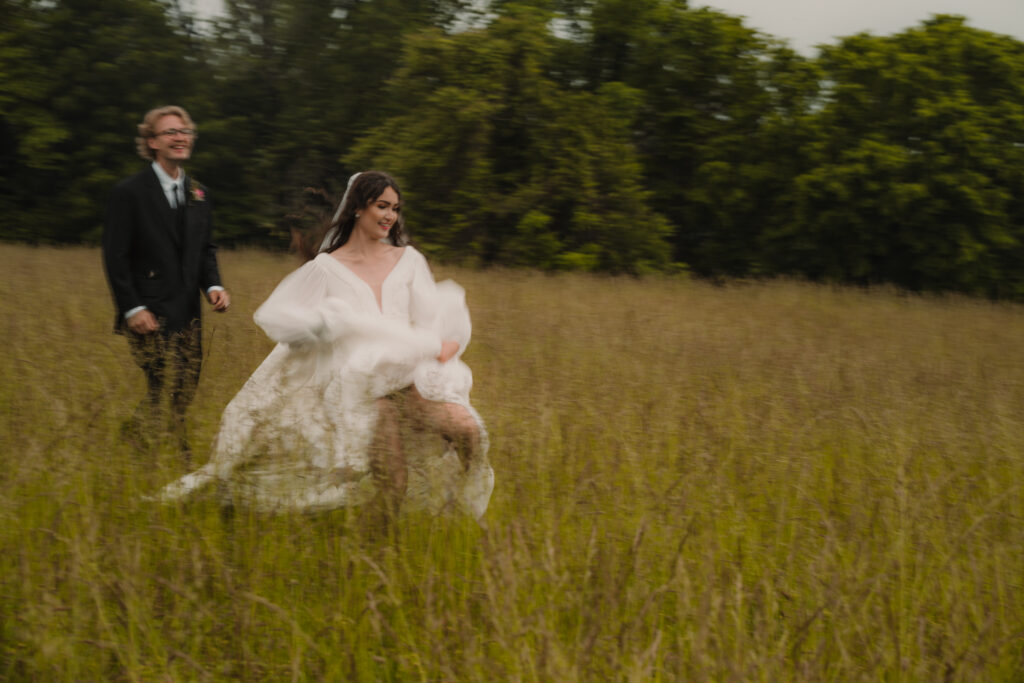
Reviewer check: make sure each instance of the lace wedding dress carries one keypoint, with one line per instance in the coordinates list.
(297, 434)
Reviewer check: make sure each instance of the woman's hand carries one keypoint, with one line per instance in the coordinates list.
(449, 348)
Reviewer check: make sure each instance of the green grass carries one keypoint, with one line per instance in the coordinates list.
(752, 482)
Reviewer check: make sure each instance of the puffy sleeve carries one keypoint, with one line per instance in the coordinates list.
(305, 312)
(439, 308)
(423, 302)
(299, 310)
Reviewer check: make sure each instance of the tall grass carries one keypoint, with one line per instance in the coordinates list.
(749, 482)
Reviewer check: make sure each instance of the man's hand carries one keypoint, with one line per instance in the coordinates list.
(448, 350)
(143, 322)
(219, 299)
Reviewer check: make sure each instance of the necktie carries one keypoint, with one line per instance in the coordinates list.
(179, 208)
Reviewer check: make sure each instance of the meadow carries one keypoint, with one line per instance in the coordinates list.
(750, 481)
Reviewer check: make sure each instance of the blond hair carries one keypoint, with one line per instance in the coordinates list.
(148, 127)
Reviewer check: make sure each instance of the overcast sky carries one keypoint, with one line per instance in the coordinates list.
(806, 23)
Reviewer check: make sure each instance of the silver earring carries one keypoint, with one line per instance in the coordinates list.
(358, 214)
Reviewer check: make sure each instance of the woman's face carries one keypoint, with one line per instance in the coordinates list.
(377, 218)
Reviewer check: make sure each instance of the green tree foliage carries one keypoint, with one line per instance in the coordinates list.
(74, 77)
(293, 84)
(504, 164)
(918, 164)
(718, 101)
(613, 135)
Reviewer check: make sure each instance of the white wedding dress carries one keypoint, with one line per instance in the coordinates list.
(296, 437)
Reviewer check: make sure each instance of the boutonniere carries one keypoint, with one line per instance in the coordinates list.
(196, 192)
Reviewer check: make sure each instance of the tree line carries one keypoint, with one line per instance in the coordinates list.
(607, 135)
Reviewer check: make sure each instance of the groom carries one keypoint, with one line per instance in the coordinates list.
(158, 255)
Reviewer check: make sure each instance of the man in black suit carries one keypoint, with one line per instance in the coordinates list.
(159, 256)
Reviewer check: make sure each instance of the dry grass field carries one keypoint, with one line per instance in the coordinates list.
(759, 481)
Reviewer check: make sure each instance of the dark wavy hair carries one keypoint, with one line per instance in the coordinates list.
(365, 189)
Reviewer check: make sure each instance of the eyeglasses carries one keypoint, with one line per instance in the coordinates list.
(173, 132)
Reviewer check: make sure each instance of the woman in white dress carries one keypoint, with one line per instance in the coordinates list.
(365, 395)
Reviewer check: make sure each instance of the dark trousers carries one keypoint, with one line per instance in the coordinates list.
(171, 363)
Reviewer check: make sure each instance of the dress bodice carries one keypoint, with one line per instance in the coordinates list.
(396, 289)
(324, 301)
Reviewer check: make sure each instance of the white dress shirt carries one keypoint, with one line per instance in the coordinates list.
(173, 187)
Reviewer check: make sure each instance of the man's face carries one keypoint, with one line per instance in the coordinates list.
(171, 144)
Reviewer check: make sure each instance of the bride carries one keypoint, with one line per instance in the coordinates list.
(365, 395)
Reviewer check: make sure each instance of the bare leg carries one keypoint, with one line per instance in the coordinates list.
(451, 420)
(387, 457)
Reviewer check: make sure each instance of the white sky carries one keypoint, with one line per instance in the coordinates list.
(205, 8)
(806, 23)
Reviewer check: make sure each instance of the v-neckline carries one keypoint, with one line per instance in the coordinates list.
(394, 267)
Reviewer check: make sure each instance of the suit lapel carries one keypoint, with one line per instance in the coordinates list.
(192, 233)
(188, 227)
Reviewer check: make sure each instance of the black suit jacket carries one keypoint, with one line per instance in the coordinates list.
(147, 262)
